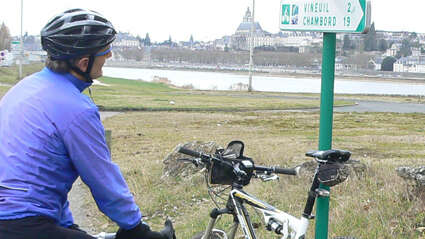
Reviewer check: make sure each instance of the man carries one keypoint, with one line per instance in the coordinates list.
(51, 133)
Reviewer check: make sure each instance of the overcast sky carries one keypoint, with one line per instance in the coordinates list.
(205, 19)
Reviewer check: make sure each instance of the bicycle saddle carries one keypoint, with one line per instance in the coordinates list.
(335, 155)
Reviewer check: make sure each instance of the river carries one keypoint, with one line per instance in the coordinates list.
(223, 81)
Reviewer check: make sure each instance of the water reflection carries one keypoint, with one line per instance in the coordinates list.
(224, 81)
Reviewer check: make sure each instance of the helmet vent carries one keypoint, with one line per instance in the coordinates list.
(53, 20)
(101, 19)
(73, 31)
(56, 26)
(97, 30)
(79, 18)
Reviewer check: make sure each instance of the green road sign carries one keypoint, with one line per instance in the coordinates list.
(325, 15)
(16, 42)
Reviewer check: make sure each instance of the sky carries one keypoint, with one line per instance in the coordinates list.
(204, 19)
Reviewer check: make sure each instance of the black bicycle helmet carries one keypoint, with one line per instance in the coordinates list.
(75, 33)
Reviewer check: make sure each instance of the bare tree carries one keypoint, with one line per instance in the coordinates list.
(5, 38)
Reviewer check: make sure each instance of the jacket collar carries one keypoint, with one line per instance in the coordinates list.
(79, 84)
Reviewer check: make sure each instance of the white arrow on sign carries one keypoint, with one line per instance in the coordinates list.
(325, 15)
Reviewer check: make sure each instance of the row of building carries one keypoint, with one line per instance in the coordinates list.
(241, 40)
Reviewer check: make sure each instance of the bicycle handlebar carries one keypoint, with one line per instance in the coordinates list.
(287, 171)
(190, 152)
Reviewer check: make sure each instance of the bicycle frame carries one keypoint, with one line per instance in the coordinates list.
(276, 220)
(282, 221)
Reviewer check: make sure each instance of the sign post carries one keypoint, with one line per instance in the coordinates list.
(329, 17)
(326, 121)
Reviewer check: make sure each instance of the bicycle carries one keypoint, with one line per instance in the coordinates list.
(230, 167)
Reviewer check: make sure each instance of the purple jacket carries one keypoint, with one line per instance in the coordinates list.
(51, 133)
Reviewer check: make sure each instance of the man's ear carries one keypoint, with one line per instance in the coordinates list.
(82, 63)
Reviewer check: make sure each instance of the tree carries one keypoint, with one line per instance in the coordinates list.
(5, 38)
(370, 43)
(413, 36)
(347, 45)
(191, 41)
(170, 41)
(140, 40)
(147, 40)
(382, 45)
(388, 63)
(405, 49)
(226, 48)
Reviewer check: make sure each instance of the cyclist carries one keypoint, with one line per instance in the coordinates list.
(51, 133)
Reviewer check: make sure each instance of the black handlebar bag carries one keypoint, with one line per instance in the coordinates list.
(223, 172)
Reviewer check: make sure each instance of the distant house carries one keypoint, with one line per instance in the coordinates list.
(416, 51)
(414, 64)
(343, 63)
(222, 43)
(375, 63)
(125, 40)
(392, 51)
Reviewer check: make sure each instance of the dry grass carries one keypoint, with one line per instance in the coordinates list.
(372, 206)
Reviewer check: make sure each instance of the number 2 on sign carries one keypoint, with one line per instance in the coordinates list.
(349, 7)
(347, 21)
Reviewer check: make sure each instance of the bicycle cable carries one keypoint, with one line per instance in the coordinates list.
(215, 192)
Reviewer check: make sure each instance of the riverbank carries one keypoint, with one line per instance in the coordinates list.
(131, 95)
(211, 80)
(366, 75)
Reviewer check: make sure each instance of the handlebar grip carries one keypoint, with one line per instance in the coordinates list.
(110, 236)
(288, 171)
(105, 235)
(189, 152)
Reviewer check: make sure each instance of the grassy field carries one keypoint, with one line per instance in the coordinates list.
(9, 75)
(374, 205)
(126, 95)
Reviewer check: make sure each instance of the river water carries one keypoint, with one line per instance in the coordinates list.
(223, 81)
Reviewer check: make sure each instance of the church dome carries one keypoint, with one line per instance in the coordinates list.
(245, 26)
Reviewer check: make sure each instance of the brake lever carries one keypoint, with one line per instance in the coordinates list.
(196, 161)
(268, 177)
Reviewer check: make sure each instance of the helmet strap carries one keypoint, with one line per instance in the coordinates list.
(85, 74)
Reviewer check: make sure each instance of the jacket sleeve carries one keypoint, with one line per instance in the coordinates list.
(86, 145)
(66, 218)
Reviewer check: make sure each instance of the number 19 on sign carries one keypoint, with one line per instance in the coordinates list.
(347, 21)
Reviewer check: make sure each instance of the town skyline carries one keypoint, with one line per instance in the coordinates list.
(203, 20)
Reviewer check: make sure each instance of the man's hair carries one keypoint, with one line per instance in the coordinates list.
(61, 66)
(58, 66)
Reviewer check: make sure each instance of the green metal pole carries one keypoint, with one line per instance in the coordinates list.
(326, 120)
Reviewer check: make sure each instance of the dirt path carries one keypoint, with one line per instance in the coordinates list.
(76, 196)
